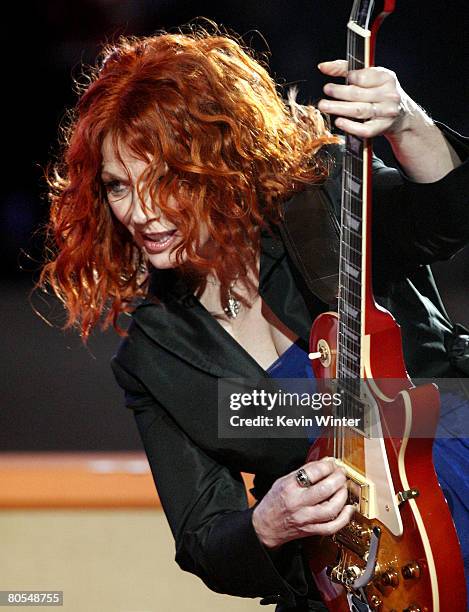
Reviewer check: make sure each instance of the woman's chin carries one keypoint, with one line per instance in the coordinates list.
(162, 261)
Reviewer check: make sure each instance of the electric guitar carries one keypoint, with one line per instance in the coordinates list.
(400, 553)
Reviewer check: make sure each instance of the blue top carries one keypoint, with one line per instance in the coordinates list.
(293, 363)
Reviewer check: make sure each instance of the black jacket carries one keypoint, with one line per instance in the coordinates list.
(170, 363)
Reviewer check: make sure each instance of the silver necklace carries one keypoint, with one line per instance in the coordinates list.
(233, 305)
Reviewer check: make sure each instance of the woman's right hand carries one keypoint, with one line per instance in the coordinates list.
(289, 511)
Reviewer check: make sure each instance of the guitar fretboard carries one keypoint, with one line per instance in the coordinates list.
(350, 306)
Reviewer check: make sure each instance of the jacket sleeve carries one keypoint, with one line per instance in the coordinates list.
(416, 224)
(207, 509)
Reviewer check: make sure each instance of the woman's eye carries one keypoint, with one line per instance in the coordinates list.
(115, 190)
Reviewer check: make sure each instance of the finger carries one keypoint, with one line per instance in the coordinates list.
(360, 110)
(331, 527)
(334, 68)
(368, 129)
(355, 93)
(316, 471)
(330, 509)
(324, 489)
(373, 76)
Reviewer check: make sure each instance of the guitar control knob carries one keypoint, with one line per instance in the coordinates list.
(411, 571)
(390, 578)
(413, 608)
(375, 602)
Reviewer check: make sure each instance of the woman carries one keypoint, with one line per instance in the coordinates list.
(178, 168)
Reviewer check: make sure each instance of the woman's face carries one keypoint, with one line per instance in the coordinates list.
(150, 230)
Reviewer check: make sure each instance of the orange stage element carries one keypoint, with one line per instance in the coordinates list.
(80, 480)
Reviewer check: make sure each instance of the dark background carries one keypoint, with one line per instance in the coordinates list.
(55, 393)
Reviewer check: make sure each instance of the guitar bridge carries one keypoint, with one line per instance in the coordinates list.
(361, 491)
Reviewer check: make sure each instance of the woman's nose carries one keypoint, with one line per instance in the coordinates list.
(140, 213)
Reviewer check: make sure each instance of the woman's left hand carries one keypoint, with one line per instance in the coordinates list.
(372, 95)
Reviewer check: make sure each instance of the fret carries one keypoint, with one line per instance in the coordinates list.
(349, 354)
(351, 248)
(355, 346)
(351, 291)
(352, 155)
(350, 172)
(349, 257)
(350, 321)
(354, 328)
(351, 231)
(351, 270)
(355, 186)
(352, 344)
(348, 372)
(343, 312)
(347, 361)
(352, 220)
(352, 288)
(345, 331)
(349, 311)
(351, 285)
(353, 176)
(353, 253)
(352, 195)
(353, 324)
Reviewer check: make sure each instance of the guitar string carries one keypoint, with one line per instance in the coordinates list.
(344, 290)
(349, 357)
(343, 281)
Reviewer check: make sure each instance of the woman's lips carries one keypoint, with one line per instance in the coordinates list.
(158, 242)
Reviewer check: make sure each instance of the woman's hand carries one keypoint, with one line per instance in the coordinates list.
(289, 511)
(374, 96)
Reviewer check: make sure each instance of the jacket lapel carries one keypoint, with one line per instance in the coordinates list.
(190, 332)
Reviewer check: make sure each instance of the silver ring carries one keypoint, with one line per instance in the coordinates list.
(302, 478)
(373, 109)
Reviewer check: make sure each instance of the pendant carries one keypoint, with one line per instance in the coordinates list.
(233, 307)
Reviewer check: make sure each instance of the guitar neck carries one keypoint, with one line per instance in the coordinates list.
(356, 302)
(354, 269)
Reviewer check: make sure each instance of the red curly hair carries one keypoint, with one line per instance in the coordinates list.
(234, 150)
